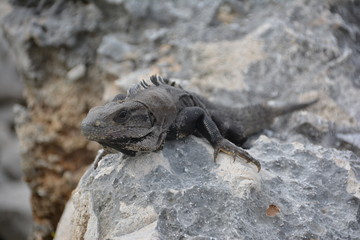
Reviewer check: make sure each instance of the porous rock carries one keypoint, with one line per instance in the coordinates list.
(302, 192)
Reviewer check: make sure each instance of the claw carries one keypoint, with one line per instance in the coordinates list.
(216, 152)
(234, 151)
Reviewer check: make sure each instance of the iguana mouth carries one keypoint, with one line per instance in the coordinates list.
(124, 144)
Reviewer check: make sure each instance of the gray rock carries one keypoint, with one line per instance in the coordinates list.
(10, 159)
(76, 72)
(15, 211)
(302, 192)
(155, 34)
(11, 86)
(114, 48)
(137, 8)
(352, 138)
(60, 29)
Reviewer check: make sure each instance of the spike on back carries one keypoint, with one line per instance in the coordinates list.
(154, 80)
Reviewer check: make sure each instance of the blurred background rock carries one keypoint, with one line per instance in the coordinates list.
(73, 55)
(15, 213)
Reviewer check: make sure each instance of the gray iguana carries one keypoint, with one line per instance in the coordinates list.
(157, 110)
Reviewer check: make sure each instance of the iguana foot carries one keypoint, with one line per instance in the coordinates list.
(231, 149)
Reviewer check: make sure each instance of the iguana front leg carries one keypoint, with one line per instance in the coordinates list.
(192, 119)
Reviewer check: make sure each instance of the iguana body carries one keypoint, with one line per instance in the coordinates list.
(154, 111)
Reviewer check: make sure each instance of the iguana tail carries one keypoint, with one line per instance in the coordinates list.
(252, 119)
(289, 108)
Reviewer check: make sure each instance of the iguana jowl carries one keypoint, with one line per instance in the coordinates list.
(156, 110)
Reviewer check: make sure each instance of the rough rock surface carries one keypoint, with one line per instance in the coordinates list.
(76, 54)
(302, 192)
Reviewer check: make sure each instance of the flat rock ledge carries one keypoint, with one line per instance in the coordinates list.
(302, 192)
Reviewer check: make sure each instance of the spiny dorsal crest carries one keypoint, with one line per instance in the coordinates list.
(154, 80)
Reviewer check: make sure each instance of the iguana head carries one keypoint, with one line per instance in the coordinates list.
(137, 123)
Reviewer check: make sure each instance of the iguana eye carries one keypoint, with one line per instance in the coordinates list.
(121, 116)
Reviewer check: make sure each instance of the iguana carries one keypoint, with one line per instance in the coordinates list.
(158, 109)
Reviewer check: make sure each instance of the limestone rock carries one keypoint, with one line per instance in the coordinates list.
(302, 191)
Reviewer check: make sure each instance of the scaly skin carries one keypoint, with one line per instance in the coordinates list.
(156, 110)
